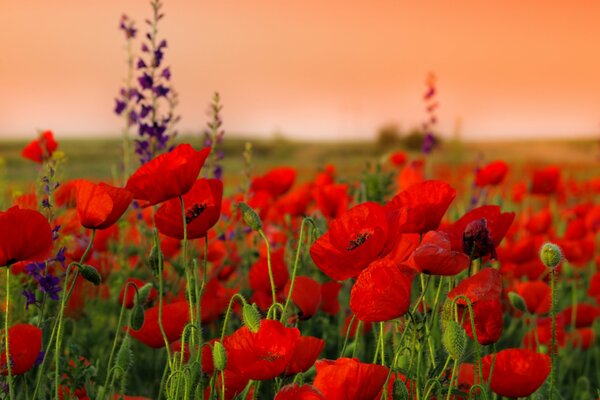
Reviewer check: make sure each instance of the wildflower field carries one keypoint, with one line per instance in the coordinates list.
(160, 266)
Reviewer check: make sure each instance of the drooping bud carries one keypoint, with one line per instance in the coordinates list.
(143, 293)
(137, 317)
(251, 317)
(551, 255)
(477, 241)
(219, 356)
(155, 258)
(90, 274)
(251, 218)
(454, 340)
(517, 301)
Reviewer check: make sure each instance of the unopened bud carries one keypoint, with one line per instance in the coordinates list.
(251, 317)
(551, 255)
(454, 340)
(250, 216)
(219, 356)
(90, 274)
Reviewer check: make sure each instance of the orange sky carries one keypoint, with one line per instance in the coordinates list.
(314, 68)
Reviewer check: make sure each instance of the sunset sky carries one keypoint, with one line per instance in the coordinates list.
(317, 69)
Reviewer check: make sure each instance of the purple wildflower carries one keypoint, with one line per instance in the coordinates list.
(29, 298)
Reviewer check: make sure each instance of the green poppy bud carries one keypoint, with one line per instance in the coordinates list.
(454, 340)
(137, 317)
(251, 317)
(517, 301)
(219, 356)
(551, 255)
(250, 216)
(90, 274)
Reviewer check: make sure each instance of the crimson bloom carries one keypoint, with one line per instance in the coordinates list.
(517, 372)
(259, 272)
(100, 206)
(175, 317)
(295, 392)
(262, 355)
(381, 292)
(306, 352)
(202, 211)
(41, 148)
(422, 205)
(545, 181)
(355, 239)
(348, 378)
(330, 303)
(25, 235)
(24, 346)
(168, 176)
(492, 174)
(484, 285)
(306, 295)
(537, 296)
(275, 182)
(434, 256)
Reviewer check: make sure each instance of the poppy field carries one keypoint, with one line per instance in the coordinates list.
(183, 270)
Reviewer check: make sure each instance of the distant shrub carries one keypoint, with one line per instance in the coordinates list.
(389, 135)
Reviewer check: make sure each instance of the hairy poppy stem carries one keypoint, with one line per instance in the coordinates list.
(553, 342)
(10, 379)
(189, 275)
(271, 279)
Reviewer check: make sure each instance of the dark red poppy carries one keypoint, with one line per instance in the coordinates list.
(262, 355)
(175, 317)
(582, 338)
(100, 206)
(540, 222)
(235, 383)
(259, 272)
(497, 224)
(487, 316)
(25, 235)
(381, 292)
(214, 301)
(129, 299)
(434, 256)
(545, 181)
(355, 239)
(542, 333)
(348, 378)
(293, 203)
(537, 296)
(168, 176)
(584, 315)
(492, 174)
(332, 199)
(306, 295)
(484, 285)
(306, 352)
(398, 158)
(295, 392)
(330, 303)
(24, 346)
(422, 206)
(202, 211)
(275, 182)
(41, 148)
(517, 372)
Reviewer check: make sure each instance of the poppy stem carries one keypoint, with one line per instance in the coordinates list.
(454, 367)
(271, 279)
(553, 344)
(189, 275)
(8, 368)
(347, 335)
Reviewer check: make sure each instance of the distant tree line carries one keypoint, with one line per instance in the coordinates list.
(390, 135)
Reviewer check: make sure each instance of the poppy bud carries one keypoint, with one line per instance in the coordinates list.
(454, 340)
(400, 391)
(477, 240)
(250, 216)
(137, 317)
(517, 301)
(251, 317)
(447, 313)
(90, 274)
(143, 294)
(124, 357)
(551, 255)
(219, 356)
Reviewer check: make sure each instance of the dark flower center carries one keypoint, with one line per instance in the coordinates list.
(194, 212)
(360, 239)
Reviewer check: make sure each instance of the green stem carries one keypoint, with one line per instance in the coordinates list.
(189, 275)
(553, 342)
(271, 279)
(228, 312)
(8, 368)
(452, 379)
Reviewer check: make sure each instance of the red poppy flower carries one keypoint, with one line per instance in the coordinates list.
(214, 301)
(66, 194)
(540, 222)
(202, 210)
(348, 378)
(41, 148)
(517, 372)
(542, 333)
(293, 203)
(306, 352)
(129, 299)
(25, 235)
(422, 206)
(306, 295)
(359, 236)
(330, 303)
(487, 316)
(24, 346)
(295, 392)
(434, 256)
(398, 158)
(497, 224)
(537, 296)
(594, 287)
(175, 317)
(26, 201)
(585, 314)
(275, 182)
(411, 174)
(545, 181)
(582, 337)
(492, 174)
(262, 355)
(100, 206)
(484, 285)
(235, 384)
(259, 272)
(332, 199)
(381, 292)
(168, 176)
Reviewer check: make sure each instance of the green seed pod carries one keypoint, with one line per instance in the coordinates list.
(517, 301)
(454, 340)
(251, 317)
(137, 317)
(551, 255)
(90, 274)
(219, 356)
(447, 313)
(143, 294)
(400, 391)
(250, 216)
(124, 357)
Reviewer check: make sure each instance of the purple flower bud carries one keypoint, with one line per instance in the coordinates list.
(166, 73)
(119, 106)
(141, 64)
(477, 241)
(145, 81)
(29, 298)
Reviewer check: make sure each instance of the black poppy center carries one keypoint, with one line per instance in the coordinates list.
(194, 212)
(360, 239)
